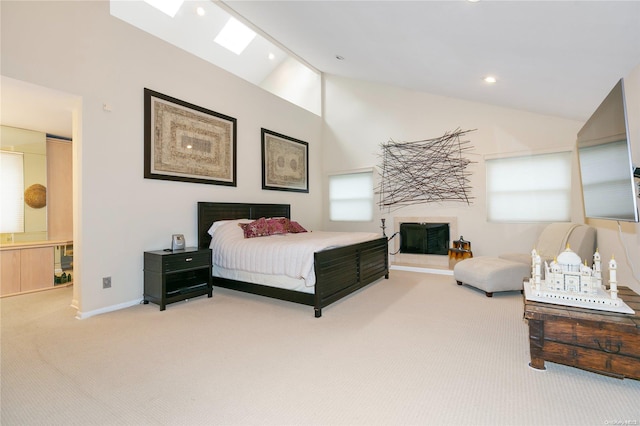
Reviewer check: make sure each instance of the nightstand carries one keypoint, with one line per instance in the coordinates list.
(172, 276)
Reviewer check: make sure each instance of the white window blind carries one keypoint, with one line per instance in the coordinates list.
(351, 196)
(532, 188)
(12, 196)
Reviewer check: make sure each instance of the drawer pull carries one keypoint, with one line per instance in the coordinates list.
(188, 259)
(608, 344)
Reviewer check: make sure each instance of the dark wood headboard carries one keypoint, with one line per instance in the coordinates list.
(210, 212)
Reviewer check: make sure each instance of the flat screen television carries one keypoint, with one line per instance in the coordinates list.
(606, 169)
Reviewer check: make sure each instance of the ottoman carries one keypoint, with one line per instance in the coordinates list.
(491, 274)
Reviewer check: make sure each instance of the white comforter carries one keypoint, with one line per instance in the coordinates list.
(288, 254)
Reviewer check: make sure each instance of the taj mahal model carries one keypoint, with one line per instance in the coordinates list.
(569, 281)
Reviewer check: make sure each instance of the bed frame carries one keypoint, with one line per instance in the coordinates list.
(339, 271)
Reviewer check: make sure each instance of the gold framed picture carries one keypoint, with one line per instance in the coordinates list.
(285, 163)
(185, 142)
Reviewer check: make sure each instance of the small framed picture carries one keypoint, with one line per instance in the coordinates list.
(285, 163)
(188, 143)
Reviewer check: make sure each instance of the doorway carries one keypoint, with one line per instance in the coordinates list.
(38, 108)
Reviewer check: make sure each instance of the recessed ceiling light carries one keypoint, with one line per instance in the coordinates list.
(200, 11)
(272, 56)
(490, 79)
(170, 7)
(235, 36)
(340, 58)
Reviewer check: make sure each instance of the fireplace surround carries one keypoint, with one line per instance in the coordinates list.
(436, 261)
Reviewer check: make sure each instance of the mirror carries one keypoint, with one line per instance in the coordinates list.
(33, 146)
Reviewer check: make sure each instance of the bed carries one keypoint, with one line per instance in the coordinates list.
(338, 271)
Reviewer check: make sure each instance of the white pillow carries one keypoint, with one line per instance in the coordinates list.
(216, 225)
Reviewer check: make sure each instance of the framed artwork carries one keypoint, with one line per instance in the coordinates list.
(188, 143)
(285, 163)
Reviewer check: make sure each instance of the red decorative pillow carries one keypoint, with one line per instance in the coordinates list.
(264, 227)
(257, 228)
(295, 227)
(278, 225)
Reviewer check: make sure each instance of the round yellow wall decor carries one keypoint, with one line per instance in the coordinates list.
(36, 196)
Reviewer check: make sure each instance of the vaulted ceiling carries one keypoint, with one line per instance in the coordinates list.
(557, 58)
(552, 57)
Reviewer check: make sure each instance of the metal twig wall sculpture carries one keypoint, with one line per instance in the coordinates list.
(431, 170)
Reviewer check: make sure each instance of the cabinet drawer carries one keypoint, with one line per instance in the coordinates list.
(167, 262)
(178, 262)
(622, 340)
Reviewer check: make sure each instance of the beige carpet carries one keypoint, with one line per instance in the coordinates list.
(413, 350)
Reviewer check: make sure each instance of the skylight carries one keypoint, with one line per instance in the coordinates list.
(170, 7)
(197, 23)
(235, 36)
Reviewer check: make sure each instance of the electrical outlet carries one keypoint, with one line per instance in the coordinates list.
(106, 282)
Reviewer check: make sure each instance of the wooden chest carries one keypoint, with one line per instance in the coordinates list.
(602, 342)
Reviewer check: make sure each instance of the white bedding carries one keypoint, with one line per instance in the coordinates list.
(289, 255)
(280, 281)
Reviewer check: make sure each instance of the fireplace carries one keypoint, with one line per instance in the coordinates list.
(424, 238)
(424, 241)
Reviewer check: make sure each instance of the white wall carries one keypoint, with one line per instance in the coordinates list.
(360, 116)
(77, 47)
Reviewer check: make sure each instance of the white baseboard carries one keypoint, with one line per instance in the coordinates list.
(85, 315)
(422, 270)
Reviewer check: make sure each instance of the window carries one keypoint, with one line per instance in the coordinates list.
(12, 194)
(351, 196)
(532, 188)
